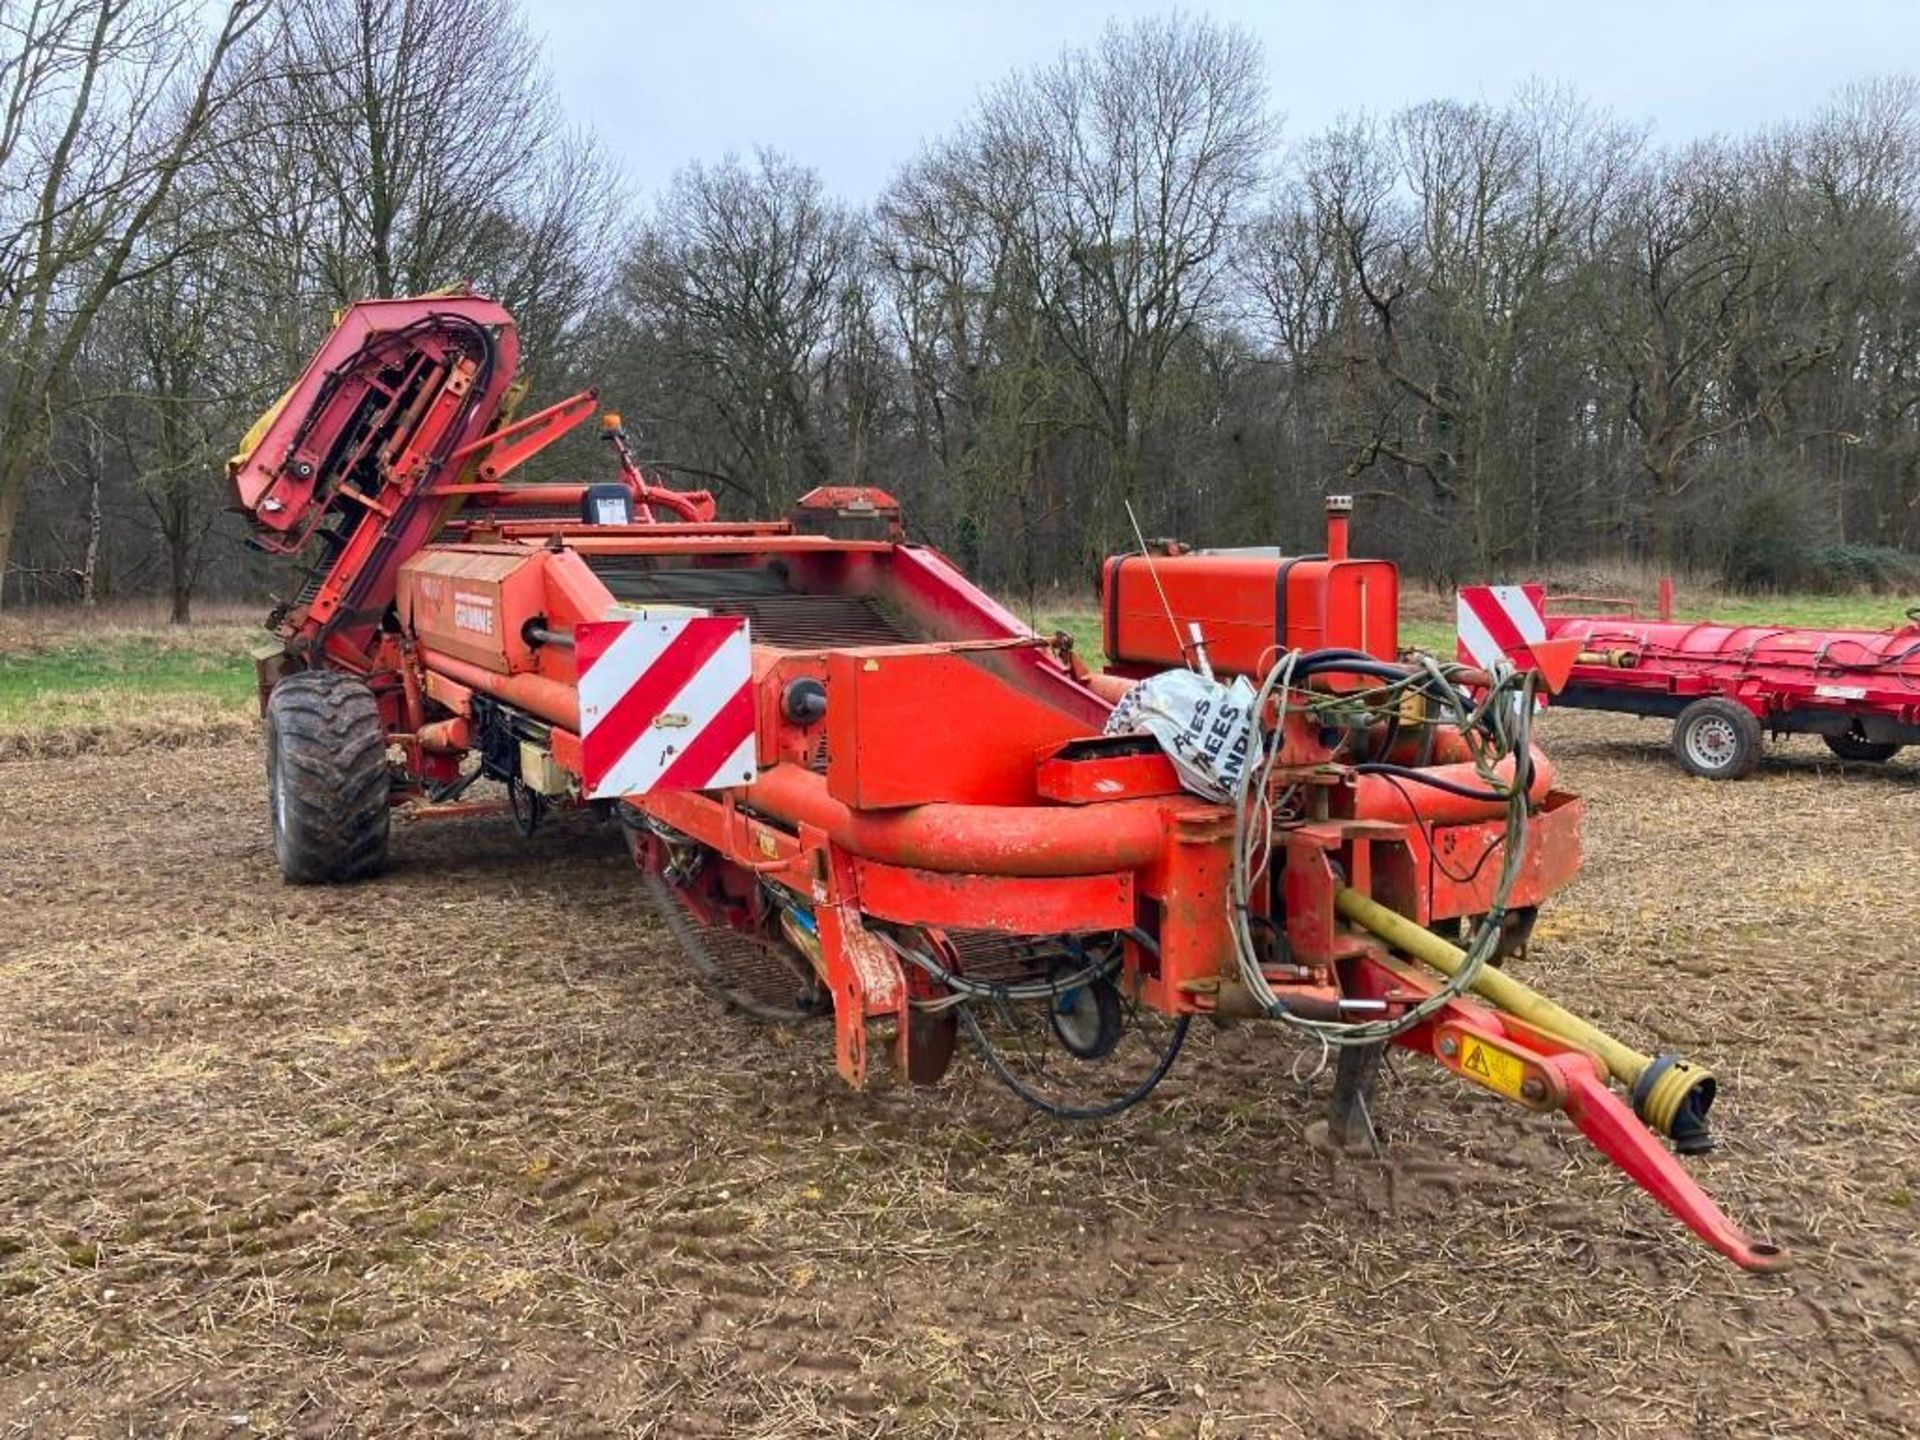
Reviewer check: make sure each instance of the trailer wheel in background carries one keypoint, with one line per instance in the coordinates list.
(1720, 739)
(1855, 747)
(327, 781)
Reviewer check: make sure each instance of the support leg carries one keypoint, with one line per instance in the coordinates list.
(1348, 1127)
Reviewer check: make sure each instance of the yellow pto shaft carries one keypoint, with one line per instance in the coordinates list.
(1668, 1093)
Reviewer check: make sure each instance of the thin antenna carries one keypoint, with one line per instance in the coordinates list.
(1147, 555)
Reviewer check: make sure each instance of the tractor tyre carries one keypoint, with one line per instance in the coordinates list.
(1855, 747)
(1719, 739)
(327, 778)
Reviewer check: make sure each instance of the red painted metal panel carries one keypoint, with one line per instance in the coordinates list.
(914, 725)
(1465, 860)
(473, 604)
(1092, 779)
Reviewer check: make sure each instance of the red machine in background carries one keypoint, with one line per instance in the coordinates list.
(1725, 687)
(862, 792)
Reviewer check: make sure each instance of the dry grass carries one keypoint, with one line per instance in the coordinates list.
(459, 1152)
(215, 625)
(111, 721)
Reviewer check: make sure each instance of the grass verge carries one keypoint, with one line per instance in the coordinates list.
(70, 683)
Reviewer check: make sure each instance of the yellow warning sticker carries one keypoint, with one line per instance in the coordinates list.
(1493, 1068)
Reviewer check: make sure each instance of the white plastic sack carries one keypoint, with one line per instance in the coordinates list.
(1205, 727)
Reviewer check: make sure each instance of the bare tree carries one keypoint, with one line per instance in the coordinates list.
(1686, 321)
(1123, 172)
(181, 390)
(1530, 337)
(1847, 188)
(1459, 231)
(105, 103)
(985, 382)
(737, 292)
(371, 149)
(394, 149)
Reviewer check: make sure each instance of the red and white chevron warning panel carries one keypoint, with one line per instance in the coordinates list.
(1509, 622)
(1500, 622)
(666, 703)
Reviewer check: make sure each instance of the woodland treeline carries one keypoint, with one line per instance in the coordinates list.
(1523, 334)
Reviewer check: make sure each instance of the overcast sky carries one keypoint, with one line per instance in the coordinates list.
(853, 87)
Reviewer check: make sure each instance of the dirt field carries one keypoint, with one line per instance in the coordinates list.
(459, 1152)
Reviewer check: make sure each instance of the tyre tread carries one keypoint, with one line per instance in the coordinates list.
(329, 746)
(1857, 748)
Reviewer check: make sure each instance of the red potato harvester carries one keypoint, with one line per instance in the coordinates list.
(864, 793)
(1727, 686)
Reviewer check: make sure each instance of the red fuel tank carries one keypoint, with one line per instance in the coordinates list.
(1250, 605)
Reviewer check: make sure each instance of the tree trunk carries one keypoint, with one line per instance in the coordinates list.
(13, 480)
(181, 610)
(1665, 521)
(179, 533)
(90, 567)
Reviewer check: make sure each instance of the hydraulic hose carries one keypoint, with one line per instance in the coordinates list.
(1441, 794)
(1492, 729)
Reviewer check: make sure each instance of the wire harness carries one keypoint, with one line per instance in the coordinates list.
(1496, 725)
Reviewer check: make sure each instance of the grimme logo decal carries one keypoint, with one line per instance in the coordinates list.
(473, 612)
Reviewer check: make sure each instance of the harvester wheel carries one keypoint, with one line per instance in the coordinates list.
(1717, 738)
(1855, 747)
(327, 778)
(1087, 1020)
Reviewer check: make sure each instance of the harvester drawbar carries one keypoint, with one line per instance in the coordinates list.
(866, 795)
